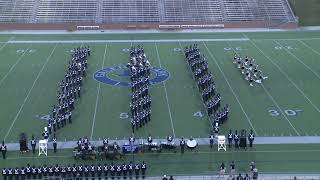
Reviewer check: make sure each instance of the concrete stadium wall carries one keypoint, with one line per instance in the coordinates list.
(128, 26)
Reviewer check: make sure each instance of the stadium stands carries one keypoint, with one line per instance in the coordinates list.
(53, 11)
(16, 11)
(144, 11)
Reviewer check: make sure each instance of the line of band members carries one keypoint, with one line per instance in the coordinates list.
(77, 171)
(206, 85)
(70, 90)
(233, 138)
(140, 105)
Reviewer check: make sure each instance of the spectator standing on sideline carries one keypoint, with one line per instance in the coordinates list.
(164, 177)
(222, 170)
(171, 178)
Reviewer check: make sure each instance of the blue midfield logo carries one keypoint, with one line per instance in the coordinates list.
(119, 76)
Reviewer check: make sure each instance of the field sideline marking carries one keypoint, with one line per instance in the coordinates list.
(165, 90)
(14, 65)
(274, 101)
(289, 39)
(305, 44)
(198, 93)
(234, 94)
(98, 94)
(289, 52)
(5, 44)
(128, 40)
(26, 98)
(286, 75)
(172, 153)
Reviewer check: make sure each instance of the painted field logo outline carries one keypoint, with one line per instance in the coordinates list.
(104, 76)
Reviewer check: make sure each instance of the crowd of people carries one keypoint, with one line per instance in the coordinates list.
(232, 176)
(69, 91)
(249, 69)
(77, 172)
(235, 138)
(84, 146)
(204, 78)
(140, 105)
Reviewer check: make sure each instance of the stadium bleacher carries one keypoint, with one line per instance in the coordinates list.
(144, 11)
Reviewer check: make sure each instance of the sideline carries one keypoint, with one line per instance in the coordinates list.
(201, 141)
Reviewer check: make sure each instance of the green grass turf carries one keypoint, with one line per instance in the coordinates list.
(292, 68)
(204, 161)
(307, 11)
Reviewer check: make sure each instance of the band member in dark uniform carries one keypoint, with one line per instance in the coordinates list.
(99, 171)
(28, 171)
(251, 138)
(124, 170)
(10, 174)
(33, 145)
(74, 171)
(119, 170)
(86, 171)
(16, 173)
(3, 150)
(182, 145)
(4, 173)
(144, 168)
(230, 138)
(137, 170)
(211, 138)
(34, 172)
(92, 170)
(105, 171)
(39, 171)
(23, 173)
(112, 170)
(130, 169)
(236, 139)
(54, 143)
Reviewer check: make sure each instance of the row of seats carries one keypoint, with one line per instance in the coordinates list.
(143, 10)
(130, 11)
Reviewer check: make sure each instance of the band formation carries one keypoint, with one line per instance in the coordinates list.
(70, 90)
(140, 104)
(204, 78)
(249, 69)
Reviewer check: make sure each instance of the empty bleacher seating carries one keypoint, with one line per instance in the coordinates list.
(135, 11)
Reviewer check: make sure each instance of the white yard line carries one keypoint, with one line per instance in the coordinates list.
(305, 44)
(98, 95)
(289, 39)
(273, 100)
(289, 52)
(277, 105)
(14, 65)
(165, 90)
(205, 108)
(5, 43)
(127, 40)
(26, 98)
(233, 92)
(286, 75)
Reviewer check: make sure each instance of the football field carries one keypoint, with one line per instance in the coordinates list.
(285, 104)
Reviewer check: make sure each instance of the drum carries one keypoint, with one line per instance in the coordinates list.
(192, 143)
